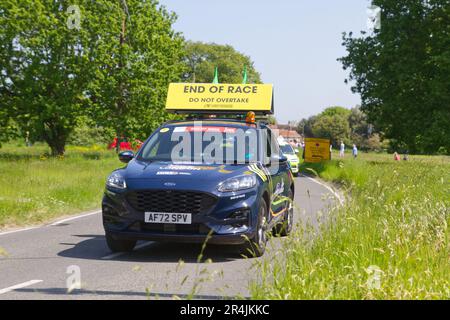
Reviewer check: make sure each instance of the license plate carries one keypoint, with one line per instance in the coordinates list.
(164, 217)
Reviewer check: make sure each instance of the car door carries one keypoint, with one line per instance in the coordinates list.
(278, 182)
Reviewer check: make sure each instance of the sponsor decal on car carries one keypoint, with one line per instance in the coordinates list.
(254, 168)
(172, 173)
(205, 129)
(186, 167)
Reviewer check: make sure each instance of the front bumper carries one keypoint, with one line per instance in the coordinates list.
(294, 167)
(231, 239)
(218, 224)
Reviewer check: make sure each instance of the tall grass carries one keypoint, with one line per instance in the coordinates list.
(389, 241)
(35, 187)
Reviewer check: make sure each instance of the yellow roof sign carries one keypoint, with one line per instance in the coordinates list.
(210, 97)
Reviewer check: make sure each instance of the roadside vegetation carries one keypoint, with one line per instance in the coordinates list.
(35, 187)
(389, 241)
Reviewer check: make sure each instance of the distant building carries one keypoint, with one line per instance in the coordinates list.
(288, 133)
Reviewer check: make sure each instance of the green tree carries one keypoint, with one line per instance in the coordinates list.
(138, 55)
(357, 121)
(336, 112)
(338, 123)
(112, 62)
(88, 133)
(201, 59)
(331, 123)
(8, 129)
(43, 68)
(402, 73)
(304, 126)
(335, 128)
(272, 120)
(362, 133)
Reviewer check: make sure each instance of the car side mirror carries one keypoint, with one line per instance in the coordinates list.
(126, 156)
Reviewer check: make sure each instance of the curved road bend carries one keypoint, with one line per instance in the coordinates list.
(36, 262)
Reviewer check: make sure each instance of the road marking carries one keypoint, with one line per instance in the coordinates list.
(19, 286)
(74, 218)
(53, 224)
(18, 230)
(337, 195)
(117, 254)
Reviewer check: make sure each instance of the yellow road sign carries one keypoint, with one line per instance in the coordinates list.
(210, 97)
(317, 150)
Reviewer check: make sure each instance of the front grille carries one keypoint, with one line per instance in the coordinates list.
(171, 201)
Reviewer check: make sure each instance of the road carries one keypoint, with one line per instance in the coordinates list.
(40, 263)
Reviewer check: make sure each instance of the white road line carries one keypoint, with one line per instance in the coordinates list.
(117, 254)
(52, 224)
(74, 218)
(19, 286)
(341, 201)
(18, 230)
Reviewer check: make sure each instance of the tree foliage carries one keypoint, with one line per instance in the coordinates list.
(138, 56)
(44, 68)
(305, 126)
(114, 68)
(272, 120)
(402, 73)
(201, 59)
(341, 124)
(333, 124)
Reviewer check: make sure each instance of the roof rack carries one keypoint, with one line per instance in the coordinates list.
(259, 122)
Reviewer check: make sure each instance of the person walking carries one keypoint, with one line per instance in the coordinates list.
(355, 151)
(342, 150)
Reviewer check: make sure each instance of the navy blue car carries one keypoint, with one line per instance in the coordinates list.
(238, 195)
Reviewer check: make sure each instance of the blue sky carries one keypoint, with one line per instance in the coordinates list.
(294, 44)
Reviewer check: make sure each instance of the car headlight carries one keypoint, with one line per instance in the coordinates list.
(237, 183)
(116, 180)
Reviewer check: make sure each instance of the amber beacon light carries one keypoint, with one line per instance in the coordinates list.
(250, 118)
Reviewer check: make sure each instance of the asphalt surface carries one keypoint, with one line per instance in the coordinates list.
(42, 262)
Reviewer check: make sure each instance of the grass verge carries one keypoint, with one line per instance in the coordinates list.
(389, 241)
(35, 188)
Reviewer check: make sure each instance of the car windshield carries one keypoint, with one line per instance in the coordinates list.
(204, 144)
(287, 149)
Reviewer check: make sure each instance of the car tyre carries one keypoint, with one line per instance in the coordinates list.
(256, 246)
(119, 245)
(284, 228)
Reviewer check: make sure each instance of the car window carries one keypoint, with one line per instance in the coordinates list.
(272, 147)
(275, 146)
(287, 149)
(208, 144)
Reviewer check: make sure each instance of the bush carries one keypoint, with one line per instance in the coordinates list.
(88, 134)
